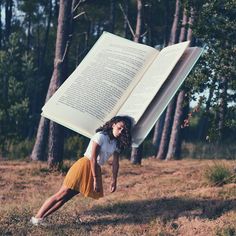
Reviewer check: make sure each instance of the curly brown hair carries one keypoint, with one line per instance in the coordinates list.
(124, 140)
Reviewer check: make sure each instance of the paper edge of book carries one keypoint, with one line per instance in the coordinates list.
(137, 138)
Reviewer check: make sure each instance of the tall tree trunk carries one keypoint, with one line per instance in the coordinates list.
(174, 149)
(8, 18)
(174, 28)
(138, 21)
(112, 15)
(38, 152)
(204, 121)
(158, 132)
(137, 152)
(28, 32)
(166, 130)
(170, 108)
(222, 110)
(126, 11)
(0, 24)
(56, 132)
(175, 137)
(136, 155)
(167, 22)
(46, 36)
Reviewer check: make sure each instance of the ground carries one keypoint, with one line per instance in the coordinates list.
(161, 198)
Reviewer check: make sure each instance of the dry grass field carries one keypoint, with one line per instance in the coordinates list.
(157, 198)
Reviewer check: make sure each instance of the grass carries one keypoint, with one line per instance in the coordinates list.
(157, 198)
(219, 174)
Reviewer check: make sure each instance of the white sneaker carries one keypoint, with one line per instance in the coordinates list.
(37, 221)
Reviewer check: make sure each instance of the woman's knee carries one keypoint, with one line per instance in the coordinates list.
(65, 194)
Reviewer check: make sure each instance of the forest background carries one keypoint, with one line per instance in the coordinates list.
(42, 42)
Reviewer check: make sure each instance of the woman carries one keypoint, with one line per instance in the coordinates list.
(85, 174)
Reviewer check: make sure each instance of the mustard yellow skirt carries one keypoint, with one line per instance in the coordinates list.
(80, 178)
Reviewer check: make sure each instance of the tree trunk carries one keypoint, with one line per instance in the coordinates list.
(8, 18)
(126, 10)
(34, 103)
(204, 121)
(112, 15)
(137, 152)
(167, 22)
(170, 109)
(0, 24)
(136, 155)
(138, 21)
(158, 132)
(166, 130)
(222, 110)
(46, 36)
(174, 149)
(174, 28)
(38, 152)
(175, 137)
(56, 132)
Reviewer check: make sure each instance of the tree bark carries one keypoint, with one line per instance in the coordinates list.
(39, 149)
(126, 10)
(174, 146)
(138, 21)
(174, 149)
(170, 109)
(137, 152)
(173, 33)
(204, 121)
(222, 110)
(0, 24)
(56, 132)
(158, 129)
(112, 15)
(166, 130)
(8, 18)
(136, 155)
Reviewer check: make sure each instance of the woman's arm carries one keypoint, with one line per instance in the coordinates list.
(94, 165)
(115, 169)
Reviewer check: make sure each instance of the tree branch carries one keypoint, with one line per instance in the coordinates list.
(127, 20)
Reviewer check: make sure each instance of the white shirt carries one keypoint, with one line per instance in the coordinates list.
(107, 147)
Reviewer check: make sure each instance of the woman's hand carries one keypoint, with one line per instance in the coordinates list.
(113, 186)
(96, 186)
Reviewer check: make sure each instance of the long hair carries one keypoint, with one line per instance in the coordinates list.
(124, 140)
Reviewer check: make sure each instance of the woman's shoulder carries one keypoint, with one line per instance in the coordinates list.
(99, 137)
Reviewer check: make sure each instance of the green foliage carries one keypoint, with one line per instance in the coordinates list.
(205, 150)
(214, 28)
(14, 104)
(20, 150)
(75, 147)
(218, 174)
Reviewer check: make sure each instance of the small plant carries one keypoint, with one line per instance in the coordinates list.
(218, 174)
(226, 232)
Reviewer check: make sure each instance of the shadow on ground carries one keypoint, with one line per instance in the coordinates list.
(167, 209)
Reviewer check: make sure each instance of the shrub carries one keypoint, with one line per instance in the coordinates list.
(218, 174)
(75, 147)
(20, 150)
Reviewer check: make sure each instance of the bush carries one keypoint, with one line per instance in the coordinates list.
(20, 150)
(218, 174)
(75, 146)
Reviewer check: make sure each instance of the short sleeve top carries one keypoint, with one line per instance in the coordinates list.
(107, 147)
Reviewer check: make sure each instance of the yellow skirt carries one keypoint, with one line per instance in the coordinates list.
(80, 178)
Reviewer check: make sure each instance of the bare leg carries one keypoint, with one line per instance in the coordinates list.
(56, 201)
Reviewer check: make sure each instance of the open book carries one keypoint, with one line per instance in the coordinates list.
(121, 77)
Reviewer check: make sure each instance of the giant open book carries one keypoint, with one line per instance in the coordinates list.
(121, 77)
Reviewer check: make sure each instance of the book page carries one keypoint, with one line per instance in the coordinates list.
(100, 84)
(152, 80)
(165, 94)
